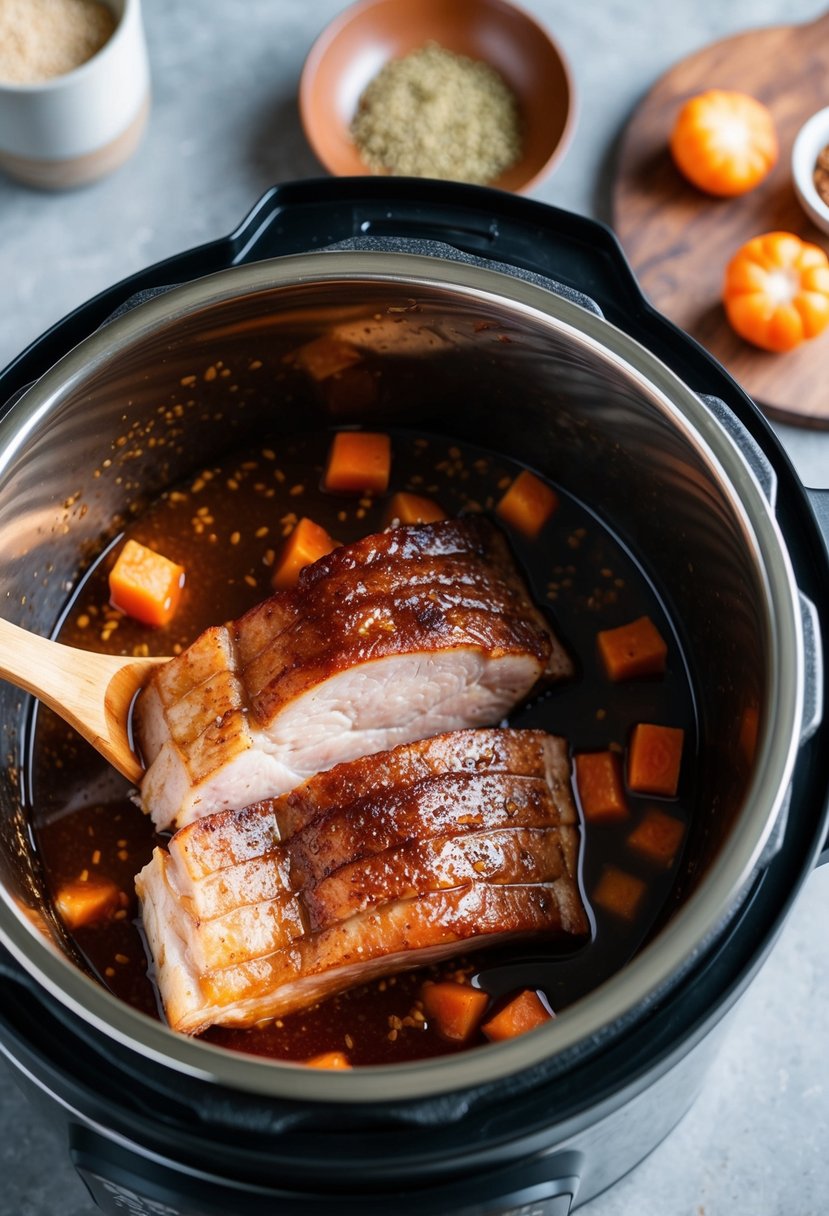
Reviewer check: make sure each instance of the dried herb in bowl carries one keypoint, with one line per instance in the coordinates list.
(437, 114)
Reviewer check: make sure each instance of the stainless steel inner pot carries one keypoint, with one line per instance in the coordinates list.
(470, 352)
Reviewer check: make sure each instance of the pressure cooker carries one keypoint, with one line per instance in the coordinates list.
(592, 387)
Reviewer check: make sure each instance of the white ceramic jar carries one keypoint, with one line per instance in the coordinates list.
(74, 128)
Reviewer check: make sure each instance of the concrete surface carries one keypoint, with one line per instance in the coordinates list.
(224, 127)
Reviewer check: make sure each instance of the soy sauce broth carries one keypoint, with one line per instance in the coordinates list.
(225, 527)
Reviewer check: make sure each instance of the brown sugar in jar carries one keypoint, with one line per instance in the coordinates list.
(74, 89)
(40, 39)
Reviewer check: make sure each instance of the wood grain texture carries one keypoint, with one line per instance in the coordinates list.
(678, 240)
(92, 692)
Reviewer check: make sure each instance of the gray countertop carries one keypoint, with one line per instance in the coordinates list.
(224, 127)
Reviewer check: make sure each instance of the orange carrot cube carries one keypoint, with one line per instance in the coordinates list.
(326, 357)
(654, 759)
(600, 786)
(454, 1009)
(145, 585)
(633, 650)
(657, 837)
(413, 509)
(359, 462)
(337, 1060)
(307, 543)
(88, 902)
(619, 892)
(524, 1012)
(528, 504)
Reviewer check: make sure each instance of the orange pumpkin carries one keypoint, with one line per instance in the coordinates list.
(724, 142)
(776, 291)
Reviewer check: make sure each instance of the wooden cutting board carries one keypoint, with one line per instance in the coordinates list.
(679, 240)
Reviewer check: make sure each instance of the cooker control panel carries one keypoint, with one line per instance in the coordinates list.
(118, 1199)
(556, 1205)
(123, 1182)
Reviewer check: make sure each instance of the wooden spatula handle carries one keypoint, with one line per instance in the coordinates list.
(92, 692)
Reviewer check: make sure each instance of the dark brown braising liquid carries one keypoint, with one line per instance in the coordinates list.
(224, 528)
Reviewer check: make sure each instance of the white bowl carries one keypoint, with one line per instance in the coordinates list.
(811, 138)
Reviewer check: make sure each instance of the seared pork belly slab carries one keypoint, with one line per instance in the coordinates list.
(405, 634)
(396, 937)
(523, 753)
(509, 856)
(456, 803)
(228, 839)
(382, 864)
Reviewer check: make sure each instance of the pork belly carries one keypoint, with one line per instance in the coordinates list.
(523, 753)
(405, 634)
(254, 913)
(506, 856)
(397, 936)
(224, 840)
(452, 803)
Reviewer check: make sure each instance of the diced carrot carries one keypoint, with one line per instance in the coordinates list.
(601, 789)
(524, 1012)
(413, 509)
(455, 1009)
(88, 902)
(657, 837)
(654, 759)
(307, 543)
(145, 585)
(633, 650)
(326, 357)
(358, 462)
(619, 892)
(528, 503)
(329, 1059)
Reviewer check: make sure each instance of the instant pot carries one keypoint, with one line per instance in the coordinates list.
(518, 326)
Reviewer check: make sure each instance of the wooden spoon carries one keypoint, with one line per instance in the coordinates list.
(92, 692)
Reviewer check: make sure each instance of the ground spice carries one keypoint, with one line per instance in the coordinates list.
(40, 39)
(437, 114)
(821, 174)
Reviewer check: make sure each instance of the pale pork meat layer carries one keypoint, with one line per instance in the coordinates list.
(381, 864)
(408, 633)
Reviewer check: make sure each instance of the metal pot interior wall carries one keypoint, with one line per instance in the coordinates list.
(141, 415)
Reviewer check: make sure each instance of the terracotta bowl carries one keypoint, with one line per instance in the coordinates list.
(357, 44)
